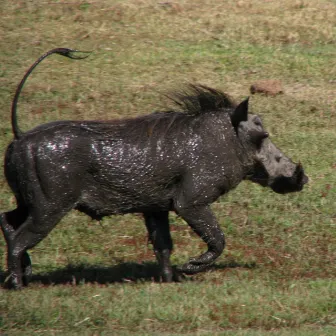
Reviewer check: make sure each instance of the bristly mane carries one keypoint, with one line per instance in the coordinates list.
(195, 100)
(198, 99)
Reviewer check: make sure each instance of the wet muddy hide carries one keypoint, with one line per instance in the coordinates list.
(179, 160)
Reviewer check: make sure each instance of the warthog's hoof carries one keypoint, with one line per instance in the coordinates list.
(190, 268)
(174, 276)
(12, 282)
(178, 276)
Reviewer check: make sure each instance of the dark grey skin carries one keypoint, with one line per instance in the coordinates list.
(180, 160)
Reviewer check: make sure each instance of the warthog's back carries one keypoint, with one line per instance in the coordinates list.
(105, 169)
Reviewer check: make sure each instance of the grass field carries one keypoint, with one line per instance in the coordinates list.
(278, 273)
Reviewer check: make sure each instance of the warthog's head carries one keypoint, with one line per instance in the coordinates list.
(272, 168)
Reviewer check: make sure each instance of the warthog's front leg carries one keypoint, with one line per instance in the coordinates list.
(157, 224)
(203, 222)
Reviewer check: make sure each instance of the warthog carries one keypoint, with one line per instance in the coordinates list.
(180, 160)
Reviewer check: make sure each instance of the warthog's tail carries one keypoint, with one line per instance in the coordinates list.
(61, 51)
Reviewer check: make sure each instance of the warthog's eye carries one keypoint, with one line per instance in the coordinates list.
(278, 158)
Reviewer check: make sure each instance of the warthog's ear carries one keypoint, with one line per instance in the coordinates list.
(240, 113)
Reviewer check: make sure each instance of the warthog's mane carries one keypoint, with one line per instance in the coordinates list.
(193, 101)
(198, 99)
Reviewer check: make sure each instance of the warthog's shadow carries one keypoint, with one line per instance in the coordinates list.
(123, 272)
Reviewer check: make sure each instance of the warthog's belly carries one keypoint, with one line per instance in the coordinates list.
(98, 207)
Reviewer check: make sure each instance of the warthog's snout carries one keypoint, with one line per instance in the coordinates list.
(272, 168)
(283, 184)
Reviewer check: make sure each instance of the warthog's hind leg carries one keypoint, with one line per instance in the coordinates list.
(36, 227)
(203, 222)
(157, 224)
(9, 222)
